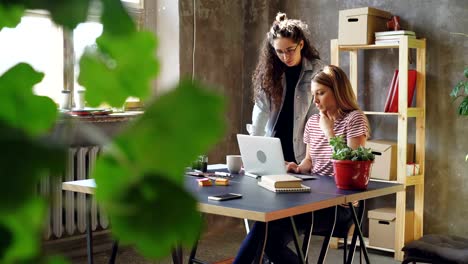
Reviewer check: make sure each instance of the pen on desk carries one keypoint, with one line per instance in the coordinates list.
(251, 175)
(224, 174)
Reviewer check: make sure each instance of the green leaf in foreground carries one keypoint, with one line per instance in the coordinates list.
(149, 200)
(22, 162)
(56, 260)
(175, 128)
(67, 13)
(19, 107)
(10, 15)
(23, 228)
(115, 11)
(142, 172)
(122, 66)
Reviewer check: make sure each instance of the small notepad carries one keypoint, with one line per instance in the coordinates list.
(303, 188)
(282, 181)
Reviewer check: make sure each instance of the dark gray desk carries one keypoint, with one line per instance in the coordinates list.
(374, 189)
(263, 205)
(258, 203)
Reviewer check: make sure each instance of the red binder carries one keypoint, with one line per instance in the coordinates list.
(391, 91)
(391, 105)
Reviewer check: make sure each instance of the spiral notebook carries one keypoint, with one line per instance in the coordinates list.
(267, 186)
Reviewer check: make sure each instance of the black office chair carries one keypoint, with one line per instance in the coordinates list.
(437, 249)
(340, 230)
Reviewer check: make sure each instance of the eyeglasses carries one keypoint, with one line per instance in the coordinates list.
(288, 51)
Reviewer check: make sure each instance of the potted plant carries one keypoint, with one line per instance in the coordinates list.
(461, 90)
(351, 166)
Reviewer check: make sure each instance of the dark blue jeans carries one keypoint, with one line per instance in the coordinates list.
(280, 234)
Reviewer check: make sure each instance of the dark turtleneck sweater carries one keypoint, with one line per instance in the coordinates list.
(285, 124)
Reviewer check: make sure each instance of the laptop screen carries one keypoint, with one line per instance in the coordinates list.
(261, 155)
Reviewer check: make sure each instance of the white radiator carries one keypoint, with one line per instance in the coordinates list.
(67, 210)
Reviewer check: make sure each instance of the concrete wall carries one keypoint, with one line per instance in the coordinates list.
(229, 34)
(223, 58)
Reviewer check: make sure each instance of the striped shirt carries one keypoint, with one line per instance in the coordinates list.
(352, 124)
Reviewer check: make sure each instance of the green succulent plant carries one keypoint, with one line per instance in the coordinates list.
(341, 151)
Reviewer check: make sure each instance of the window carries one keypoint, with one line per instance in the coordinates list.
(40, 43)
(37, 41)
(85, 34)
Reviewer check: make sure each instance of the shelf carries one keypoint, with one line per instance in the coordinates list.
(410, 180)
(404, 44)
(412, 112)
(380, 113)
(414, 180)
(412, 44)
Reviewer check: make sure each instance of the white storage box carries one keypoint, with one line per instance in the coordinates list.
(384, 166)
(357, 26)
(382, 227)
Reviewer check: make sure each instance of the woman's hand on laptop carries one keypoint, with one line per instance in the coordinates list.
(303, 168)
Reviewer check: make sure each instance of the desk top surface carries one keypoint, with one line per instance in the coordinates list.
(261, 204)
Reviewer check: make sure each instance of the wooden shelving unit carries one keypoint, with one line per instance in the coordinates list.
(404, 112)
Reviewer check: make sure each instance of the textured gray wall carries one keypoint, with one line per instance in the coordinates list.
(229, 34)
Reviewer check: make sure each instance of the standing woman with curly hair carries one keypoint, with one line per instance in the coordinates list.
(281, 82)
(283, 99)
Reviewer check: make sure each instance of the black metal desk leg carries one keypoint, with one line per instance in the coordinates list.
(89, 230)
(177, 255)
(296, 241)
(115, 248)
(326, 240)
(359, 232)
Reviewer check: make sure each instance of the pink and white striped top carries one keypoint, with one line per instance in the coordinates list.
(352, 124)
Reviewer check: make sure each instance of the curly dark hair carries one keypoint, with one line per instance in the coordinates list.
(267, 75)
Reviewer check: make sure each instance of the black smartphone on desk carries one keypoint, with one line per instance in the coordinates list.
(225, 197)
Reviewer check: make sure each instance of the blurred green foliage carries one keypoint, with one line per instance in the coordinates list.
(140, 175)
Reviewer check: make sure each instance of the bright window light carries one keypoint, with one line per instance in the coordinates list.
(38, 42)
(84, 35)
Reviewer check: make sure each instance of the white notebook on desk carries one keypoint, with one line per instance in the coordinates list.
(267, 186)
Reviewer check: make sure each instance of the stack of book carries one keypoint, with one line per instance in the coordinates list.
(392, 37)
(283, 183)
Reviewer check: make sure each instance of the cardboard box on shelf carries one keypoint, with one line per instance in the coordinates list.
(384, 166)
(357, 26)
(382, 227)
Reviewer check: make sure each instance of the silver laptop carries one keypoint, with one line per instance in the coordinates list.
(263, 156)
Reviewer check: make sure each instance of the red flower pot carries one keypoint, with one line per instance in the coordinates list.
(352, 175)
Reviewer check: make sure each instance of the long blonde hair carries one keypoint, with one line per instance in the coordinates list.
(335, 78)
